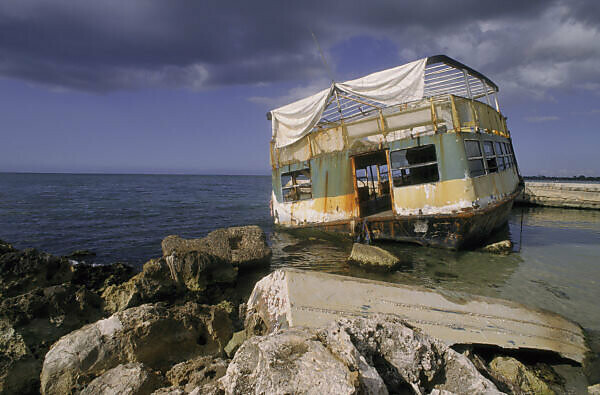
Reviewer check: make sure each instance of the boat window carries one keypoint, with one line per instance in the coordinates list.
(475, 158)
(296, 185)
(508, 154)
(414, 166)
(500, 155)
(490, 157)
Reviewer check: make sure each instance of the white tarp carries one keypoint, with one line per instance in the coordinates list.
(389, 87)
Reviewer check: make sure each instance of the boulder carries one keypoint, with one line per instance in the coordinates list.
(151, 334)
(97, 278)
(288, 362)
(242, 246)
(503, 247)
(594, 389)
(374, 256)
(374, 355)
(518, 376)
(128, 379)
(201, 372)
(236, 341)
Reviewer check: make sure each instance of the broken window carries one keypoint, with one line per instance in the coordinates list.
(474, 158)
(490, 157)
(414, 166)
(501, 160)
(296, 185)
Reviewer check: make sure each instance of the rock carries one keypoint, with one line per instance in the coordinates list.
(503, 247)
(292, 361)
(201, 372)
(372, 256)
(78, 254)
(169, 391)
(242, 246)
(510, 370)
(98, 277)
(5, 247)
(363, 355)
(236, 341)
(23, 271)
(131, 379)
(594, 389)
(151, 334)
(19, 369)
(153, 284)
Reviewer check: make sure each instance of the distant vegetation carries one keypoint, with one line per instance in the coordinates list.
(573, 178)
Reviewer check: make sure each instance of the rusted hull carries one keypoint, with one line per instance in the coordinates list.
(452, 231)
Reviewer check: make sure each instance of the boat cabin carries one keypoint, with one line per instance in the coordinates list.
(419, 153)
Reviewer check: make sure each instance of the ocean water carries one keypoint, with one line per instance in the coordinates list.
(555, 265)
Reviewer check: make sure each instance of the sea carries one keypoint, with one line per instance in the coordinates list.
(555, 264)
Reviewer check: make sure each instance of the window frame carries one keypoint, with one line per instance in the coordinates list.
(473, 158)
(393, 169)
(295, 185)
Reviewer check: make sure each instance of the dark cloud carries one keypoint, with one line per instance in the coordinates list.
(112, 45)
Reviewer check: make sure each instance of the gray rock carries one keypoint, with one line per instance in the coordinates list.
(373, 256)
(241, 246)
(289, 362)
(152, 334)
(169, 391)
(503, 247)
(363, 355)
(128, 379)
(518, 376)
(201, 372)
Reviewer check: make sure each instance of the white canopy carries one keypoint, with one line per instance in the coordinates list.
(389, 87)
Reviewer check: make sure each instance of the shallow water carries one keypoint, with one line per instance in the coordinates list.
(555, 266)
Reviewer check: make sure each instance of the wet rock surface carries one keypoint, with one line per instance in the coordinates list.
(373, 256)
(503, 247)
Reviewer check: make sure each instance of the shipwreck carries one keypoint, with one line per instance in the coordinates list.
(417, 153)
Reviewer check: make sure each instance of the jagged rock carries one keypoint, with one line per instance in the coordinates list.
(19, 369)
(152, 334)
(291, 361)
(98, 277)
(372, 256)
(5, 247)
(236, 341)
(364, 355)
(241, 246)
(129, 379)
(200, 372)
(503, 247)
(519, 376)
(169, 391)
(153, 284)
(23, 271)
(78, 254)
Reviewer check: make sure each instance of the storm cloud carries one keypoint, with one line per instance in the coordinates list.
(530, 46)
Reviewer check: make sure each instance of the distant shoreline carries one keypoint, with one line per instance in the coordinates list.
(573, 178)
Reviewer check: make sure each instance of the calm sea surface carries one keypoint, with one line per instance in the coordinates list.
(556, 264)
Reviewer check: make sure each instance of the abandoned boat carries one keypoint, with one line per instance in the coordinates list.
(417, 153)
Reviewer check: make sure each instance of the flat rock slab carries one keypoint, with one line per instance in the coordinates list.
(289, 297)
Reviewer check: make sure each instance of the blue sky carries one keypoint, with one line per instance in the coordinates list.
(183, 87)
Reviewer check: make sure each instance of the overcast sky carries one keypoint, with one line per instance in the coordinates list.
(183, 86)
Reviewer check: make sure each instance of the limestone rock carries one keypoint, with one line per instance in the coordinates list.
(201, 372)
(517, 375)
(503, 247)
(23, 271)
(241, 246)
(236, 341)
(97, 278)
(373, 256)
(18, 367)
(153, 284)
(128, 379)
(151, 334)
(291, 361)
(169, 391)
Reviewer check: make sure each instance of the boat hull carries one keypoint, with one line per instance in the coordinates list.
(452, 231)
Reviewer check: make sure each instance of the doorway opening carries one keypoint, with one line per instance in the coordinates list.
(372, 183)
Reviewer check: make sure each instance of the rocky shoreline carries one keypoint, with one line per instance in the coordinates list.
(179, 326)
